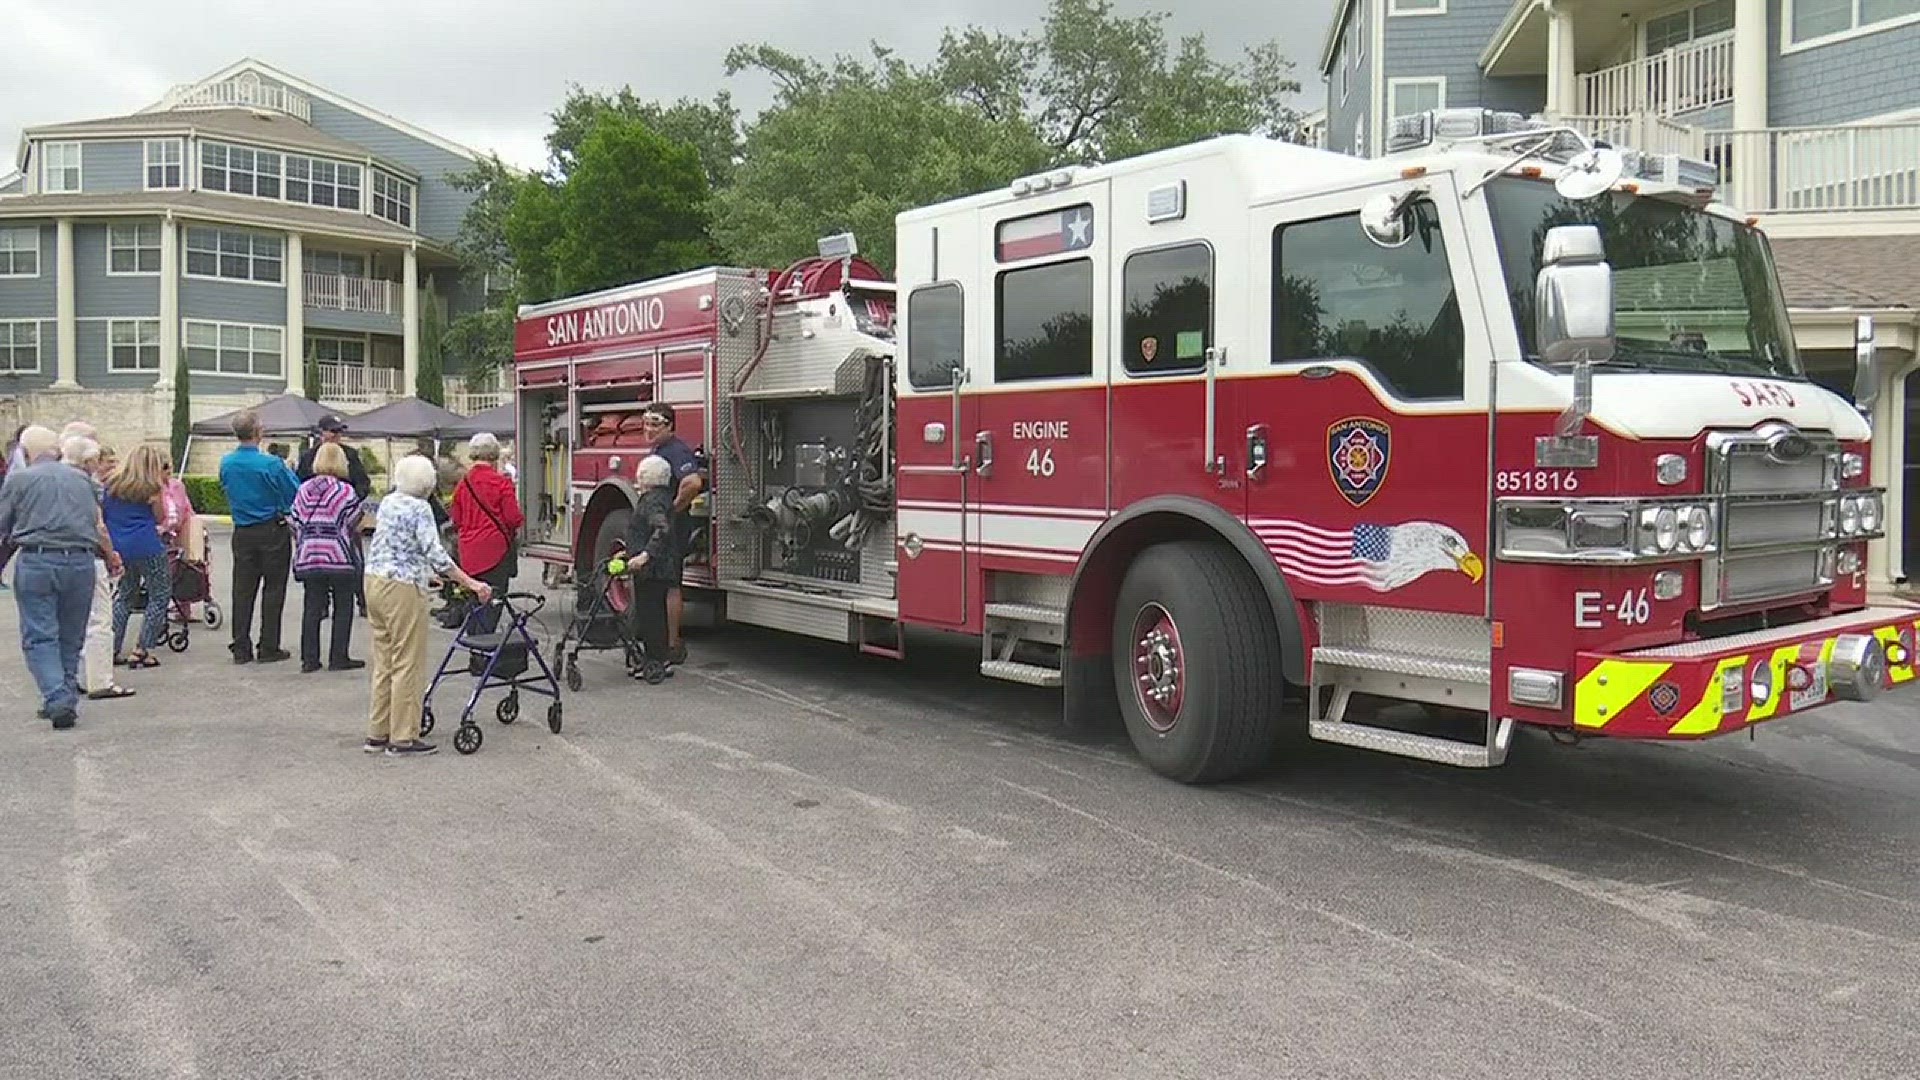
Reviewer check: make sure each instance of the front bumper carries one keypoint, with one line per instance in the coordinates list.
(1709, 687)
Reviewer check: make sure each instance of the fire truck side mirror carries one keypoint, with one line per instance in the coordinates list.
(1866, 374)
(1386, 220)
(1573, 298)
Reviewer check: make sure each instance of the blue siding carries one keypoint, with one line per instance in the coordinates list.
(353, 321)
(91, 341)
(1343, 114)
(95, 292)
(110, 166)
(1718, 118)
(49, 361)
(1450, 45)
(20, 297)
(232, 301)
(200, 382)
(1847, 80)
(441, 206)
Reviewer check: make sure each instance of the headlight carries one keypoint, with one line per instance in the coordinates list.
(1869, 513)
(1849, 515)
(1659, 530)
(1698, 523)
(1591, 529)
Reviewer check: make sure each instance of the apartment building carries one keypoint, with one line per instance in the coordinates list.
(1810, 108)
(249, 223)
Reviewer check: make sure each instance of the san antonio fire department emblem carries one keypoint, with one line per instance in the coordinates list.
(1359, 449)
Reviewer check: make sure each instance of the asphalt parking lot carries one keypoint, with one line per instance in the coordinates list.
(792, 861)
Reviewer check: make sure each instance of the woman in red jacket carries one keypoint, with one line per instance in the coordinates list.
(486, 511)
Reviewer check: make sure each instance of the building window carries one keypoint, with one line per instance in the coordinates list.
(239, 170)
(20, 252)
(163, 164)
(1360, 136)
(1406, 97)
(60, 168)
(1168, 322)
(1338, 295)
(935, 332)
(334, 262)
(133, 249)
(333, 350)
(392, 199)
(1043, 318)
(1360, 31)
(1416, 7)
(20, 347)
(234, 349)
(1689, 24)
(1808, 20)
(1346, 82)
(133, 345)
(318, 182)
(231, 255)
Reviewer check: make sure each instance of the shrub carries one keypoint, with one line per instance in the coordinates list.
(206, 494)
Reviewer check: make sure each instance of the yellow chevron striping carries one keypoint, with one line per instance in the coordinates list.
(1781, 658)
(1612, 686)
(1705, 715)
(1898, 673)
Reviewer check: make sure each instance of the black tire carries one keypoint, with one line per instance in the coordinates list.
(574, 681)
(509, 708)
(1231, 688)
(467, 738)
(212, 615)
(553, 718)
(177, 641)
(426, 720)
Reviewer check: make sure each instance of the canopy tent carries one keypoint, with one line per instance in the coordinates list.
(288, 414)
(408, 418)
(497, 420)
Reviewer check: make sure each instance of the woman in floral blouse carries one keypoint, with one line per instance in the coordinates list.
(403, 559)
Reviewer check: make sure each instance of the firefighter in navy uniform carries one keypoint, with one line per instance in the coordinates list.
(686, 482)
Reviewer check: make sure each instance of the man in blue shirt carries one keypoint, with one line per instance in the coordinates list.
(657, 422)
(260, 490)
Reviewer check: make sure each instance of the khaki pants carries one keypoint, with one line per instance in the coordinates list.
(96, 655)
(397, 612)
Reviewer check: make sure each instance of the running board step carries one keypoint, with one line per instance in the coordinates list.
(1462, 755)
(1012, 671)
(1397, 663)
(1027, 613)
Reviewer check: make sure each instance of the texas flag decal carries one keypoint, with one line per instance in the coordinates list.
(1051, 233)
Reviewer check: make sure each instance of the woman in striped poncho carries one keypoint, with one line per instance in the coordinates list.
(325, 558)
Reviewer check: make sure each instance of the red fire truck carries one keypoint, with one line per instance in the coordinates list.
(1219, 438)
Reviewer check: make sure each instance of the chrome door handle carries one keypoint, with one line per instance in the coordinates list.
(983, 453)
(1256, 450)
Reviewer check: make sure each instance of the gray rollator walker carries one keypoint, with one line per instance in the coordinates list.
(501, 658)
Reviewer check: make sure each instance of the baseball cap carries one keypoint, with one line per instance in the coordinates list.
(331, 422)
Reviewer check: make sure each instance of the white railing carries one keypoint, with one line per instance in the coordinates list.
(1697, 75)
(479, 395)
(358, 383)
(1856, 167)
(1644, 131)
(332, 292)
(240, 93)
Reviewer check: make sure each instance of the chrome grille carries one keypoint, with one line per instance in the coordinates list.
(1776, 527)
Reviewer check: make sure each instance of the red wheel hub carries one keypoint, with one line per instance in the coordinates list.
(1159, 667)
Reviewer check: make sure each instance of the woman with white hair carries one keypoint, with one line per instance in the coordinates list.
(653, 559)
(486, 512)
(403, 559)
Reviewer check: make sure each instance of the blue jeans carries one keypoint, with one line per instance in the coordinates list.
(54, 591)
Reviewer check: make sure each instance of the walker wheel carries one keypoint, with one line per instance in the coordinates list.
(508, 710)
(426, 720)
(553, 718)
(574, 681)
(212, 615)
(177, 641)
(467, 740)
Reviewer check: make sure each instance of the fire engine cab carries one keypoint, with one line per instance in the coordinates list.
(1221, 438)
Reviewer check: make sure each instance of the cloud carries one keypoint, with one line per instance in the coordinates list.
(487, 72)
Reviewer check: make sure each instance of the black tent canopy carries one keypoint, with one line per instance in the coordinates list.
(408, 418)
(497, 421)
(288, 414)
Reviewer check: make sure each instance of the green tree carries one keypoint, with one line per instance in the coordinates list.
(430, 382)
(711, 128)
(182, 427)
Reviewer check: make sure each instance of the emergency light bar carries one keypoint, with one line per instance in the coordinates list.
(1495, 129)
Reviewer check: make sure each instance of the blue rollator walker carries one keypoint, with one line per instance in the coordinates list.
(497, 659)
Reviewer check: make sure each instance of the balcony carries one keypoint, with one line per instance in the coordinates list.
(1644, 131)
(366, 296)
(467, 396)
(245, 92)
(1863, 167)
(1685, 78)
(358, 384)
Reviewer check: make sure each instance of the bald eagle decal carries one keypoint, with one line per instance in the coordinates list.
(1378, 557)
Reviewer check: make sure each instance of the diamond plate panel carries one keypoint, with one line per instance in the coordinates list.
(1433, 635)
(741, 322)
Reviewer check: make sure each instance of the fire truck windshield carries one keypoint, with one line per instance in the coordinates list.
(1693, 291)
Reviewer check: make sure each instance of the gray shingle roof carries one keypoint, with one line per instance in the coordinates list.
(244, 125)
(213, 206)
(1850, 271)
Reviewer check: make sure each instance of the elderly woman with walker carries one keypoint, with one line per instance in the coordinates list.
(653, 561)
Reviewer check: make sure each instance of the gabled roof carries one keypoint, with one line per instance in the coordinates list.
(321, 93)
(259, 127)
(1334, 29)
(212, 206)
(1850, 271)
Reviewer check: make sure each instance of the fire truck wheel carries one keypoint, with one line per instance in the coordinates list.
(1197, 662)
(613, 532)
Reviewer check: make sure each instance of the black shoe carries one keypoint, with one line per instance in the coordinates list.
(241, 656)
(272, 656)
(348, 664)
(374, 746)
(308, 667)
(416, 748)
(677, 654)
(64, 719)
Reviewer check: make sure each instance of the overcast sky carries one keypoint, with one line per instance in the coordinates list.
(486, 72)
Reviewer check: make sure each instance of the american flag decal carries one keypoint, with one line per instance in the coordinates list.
(1051, 233)
(1377, 557)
